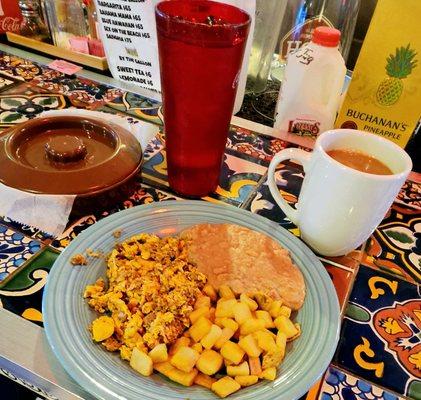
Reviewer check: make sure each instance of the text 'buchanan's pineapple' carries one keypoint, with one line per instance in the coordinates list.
(384, 96)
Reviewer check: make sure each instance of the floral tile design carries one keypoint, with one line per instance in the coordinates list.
(15, 249)
(238, 177)
(22, 294)
(410, 194)
(395, 245)
(143, 194)
(138, 106)
(25, 102)
(18, 68)
(381, 332)
(81, 91)
(255, 147)
(339, 385)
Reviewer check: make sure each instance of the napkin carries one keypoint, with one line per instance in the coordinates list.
(50, 213)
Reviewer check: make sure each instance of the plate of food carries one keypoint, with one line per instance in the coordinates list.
(191, 300)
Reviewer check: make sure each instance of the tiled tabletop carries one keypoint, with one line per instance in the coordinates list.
(379, 353)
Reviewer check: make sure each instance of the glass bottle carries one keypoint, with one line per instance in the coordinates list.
(67, 20)
(269, 14)
(303, 16)
(32, 25)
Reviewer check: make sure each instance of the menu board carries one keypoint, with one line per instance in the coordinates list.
(10, 16)
(128, 31)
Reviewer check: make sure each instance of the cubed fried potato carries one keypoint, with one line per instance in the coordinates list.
(225, 386)
(198, 347)
(265, 316)
(241, 369)
(269, 374)
(272, 359)
(281, 341)
(226, 335)
(209, 362)
(205, 380)
(102, 328)
(185, 359)
(275, 308)
(264, 301)
(182, 341)
(246, 380)
(202, 301)
(232, 352)
(285, 325)
(255, 366)
(225, 308)
(298, 327)
(249, 345)
(199, 312)
(200, 328)
(265, 341)
(210, 291)
(159, 353)
(251, 325)
(212, 337)
(183, 378)
(141, 362)
(270, 333)
(285, 311)
(250, 302)
(212, 311)
(226, 292)
(242, 313)
(227, 323)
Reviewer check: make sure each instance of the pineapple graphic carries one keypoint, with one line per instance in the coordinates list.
(398, 67)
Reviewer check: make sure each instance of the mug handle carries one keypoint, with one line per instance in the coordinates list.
(288, 154)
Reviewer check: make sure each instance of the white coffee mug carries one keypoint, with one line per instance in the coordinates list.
(340, 207)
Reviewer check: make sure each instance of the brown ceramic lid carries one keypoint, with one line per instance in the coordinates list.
(68, 155)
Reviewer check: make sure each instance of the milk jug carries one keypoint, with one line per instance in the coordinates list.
(311, 90)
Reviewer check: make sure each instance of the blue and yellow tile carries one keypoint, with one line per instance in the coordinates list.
(15, 249)
(138, 106)
(339, 385)
(381, 332)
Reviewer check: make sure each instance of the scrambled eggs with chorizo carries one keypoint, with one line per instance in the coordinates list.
(150, 293)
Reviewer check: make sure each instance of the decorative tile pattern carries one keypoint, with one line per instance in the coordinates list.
(339, 385)
(4, 83)
(380, 339)
(18, 68)
(238, 177)
(395, 246)
(29, 231)
(15, 249)
(80, 90)
(342, 280)
(143, 194)
(25, 102)
(138, 106)
(255, 147)
(22, 294)
(410, 194)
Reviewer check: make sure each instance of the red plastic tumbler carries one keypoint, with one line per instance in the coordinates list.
(201, 47)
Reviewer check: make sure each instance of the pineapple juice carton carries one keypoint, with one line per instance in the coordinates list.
(384, 96)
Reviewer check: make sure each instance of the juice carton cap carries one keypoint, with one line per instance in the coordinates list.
(326, 36)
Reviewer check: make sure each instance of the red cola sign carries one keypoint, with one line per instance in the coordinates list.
(10, 16)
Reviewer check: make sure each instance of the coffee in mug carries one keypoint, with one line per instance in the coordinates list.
(340, 204)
